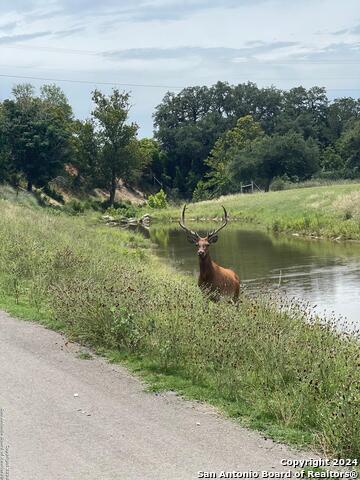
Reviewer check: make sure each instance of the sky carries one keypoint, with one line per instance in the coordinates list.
(149, 47)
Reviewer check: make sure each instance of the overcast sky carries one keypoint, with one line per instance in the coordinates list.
(174, 43)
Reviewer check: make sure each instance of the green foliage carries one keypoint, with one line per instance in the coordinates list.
(124, 331)
(190, 123)
(349, 146)
(244, 153)
(74, 207)
(219, 178)
(5, 167)
(152, 162)
(85, 156)
(202, 139)
(50, 192)
(158, 200)
(330, 160)
(55, 99)
(122, 209)
(85, 356)
(340, 115)
(304, 112)
(275, 368)
(17, 196)
(119, 149)
(268, 157)
(279, 183)
(36, 133)
(202, 191)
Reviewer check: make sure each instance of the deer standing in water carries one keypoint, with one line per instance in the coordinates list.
(213, 278)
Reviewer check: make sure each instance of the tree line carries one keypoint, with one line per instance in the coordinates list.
(215, 138)
(40, 139)
(207, 140)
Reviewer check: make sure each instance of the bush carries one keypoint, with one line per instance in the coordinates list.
(74, 207)
(119, 210)
(50, 192)
(93, 204)
(158, 200)
(201, 192)
(278, 184)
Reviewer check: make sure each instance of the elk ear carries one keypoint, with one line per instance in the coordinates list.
(213, 239)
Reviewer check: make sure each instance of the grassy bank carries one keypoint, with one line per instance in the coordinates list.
(296, 381)
(329, 211)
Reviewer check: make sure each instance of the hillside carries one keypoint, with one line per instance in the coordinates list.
(328, 211)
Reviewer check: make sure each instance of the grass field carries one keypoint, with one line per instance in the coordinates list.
(328, 211)
(269, 366)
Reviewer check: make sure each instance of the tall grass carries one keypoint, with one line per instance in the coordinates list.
(331, 211)
(18, 196)
(270, 364)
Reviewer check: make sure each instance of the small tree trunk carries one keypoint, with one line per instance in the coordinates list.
(267, 184)
(29, 185)
(112, 189)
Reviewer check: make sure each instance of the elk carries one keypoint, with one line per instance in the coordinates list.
(213, 278)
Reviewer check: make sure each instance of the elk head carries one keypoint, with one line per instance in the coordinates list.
(202, 243)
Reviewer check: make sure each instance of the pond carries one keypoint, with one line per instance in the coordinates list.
(324, 273)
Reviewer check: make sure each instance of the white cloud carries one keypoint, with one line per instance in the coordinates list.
(180, 42)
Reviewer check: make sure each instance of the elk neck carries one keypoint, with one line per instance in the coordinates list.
(206, 266)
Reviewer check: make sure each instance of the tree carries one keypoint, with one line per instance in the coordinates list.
(152, 163)
(341, 113)
(54, 99)
(268, 157)
(4, 157)
(331, 161)
(23, 92)
(37, 136)
(218, 181)
(305, 112)
(186, 136)
(119, 153)
(349, 147)
(85, 154)
(189, 123)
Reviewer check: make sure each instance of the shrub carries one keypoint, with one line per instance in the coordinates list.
(278, 184)
(158, 200)
(50, 192)
(122, 210)
(201, 192)
(74, 207)
(93, 204)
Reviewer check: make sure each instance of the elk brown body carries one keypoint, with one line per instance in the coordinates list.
(213, 278)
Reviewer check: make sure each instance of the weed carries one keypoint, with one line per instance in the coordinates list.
(268, 361)
(85, 356)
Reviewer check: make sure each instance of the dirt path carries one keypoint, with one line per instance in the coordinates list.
(71, 419)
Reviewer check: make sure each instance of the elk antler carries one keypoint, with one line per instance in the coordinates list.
(192, 236)
(215, 232)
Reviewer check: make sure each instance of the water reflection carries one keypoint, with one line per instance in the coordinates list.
(325, 273)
